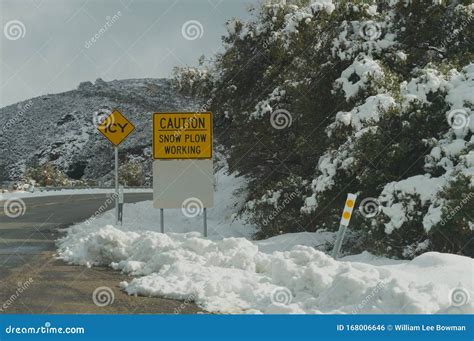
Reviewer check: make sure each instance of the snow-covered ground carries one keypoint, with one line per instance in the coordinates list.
(229, 273)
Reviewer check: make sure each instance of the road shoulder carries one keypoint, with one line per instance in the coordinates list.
(49, 286)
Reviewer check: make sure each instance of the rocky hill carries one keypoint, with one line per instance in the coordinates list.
(60, 128)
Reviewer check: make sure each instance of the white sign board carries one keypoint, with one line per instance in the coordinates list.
(177, 181)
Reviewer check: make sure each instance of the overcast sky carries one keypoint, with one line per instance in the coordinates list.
(46, 45)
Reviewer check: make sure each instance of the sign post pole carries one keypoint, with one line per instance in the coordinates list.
(120, 199)
(205, 221)
(115, 128)
(116, 187)
(162, 220)
(346, 217)
(339, 238)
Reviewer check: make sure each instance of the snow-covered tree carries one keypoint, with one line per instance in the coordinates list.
(320, 98)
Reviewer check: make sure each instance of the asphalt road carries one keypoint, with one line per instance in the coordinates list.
(32, 280)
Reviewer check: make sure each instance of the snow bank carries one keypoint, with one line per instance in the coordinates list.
(234, 275)
(283, 274)
(228, 273)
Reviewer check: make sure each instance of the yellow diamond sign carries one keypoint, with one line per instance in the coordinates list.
(115, 127)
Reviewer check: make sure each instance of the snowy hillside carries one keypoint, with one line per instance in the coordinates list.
(60, 128)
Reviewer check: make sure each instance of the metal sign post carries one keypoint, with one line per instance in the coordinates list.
(205, 221)
(120, 205)
(116, 187)
(116, 128)
(339, 238)
(162, 220)
(346, 217)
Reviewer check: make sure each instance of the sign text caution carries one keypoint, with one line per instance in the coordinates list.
(182, 135)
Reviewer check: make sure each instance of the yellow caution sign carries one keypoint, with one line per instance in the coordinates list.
(182, 135)
(115, 127)
(348, 208)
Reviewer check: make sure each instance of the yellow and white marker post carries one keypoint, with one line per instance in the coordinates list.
(345, 218)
